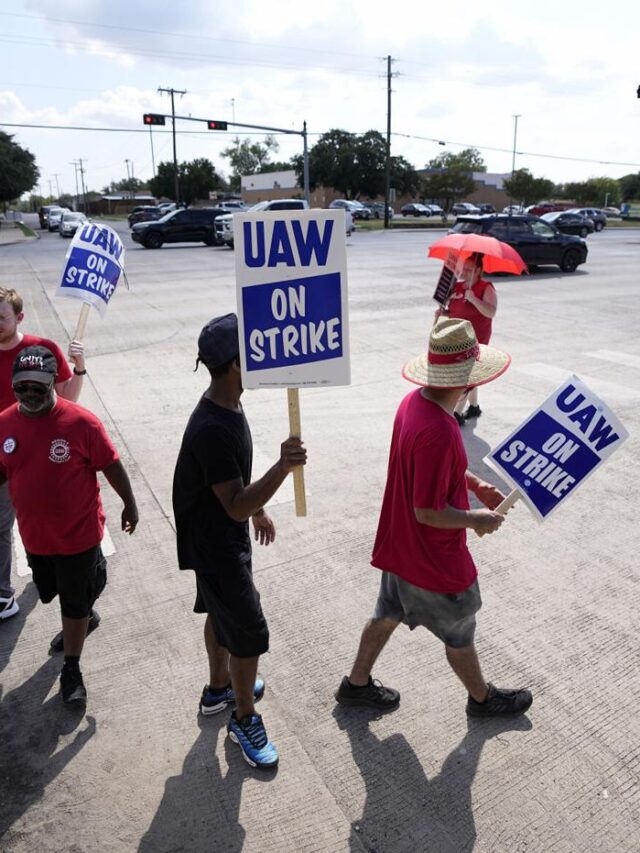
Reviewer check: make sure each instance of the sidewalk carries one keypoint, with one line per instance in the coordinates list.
(11, 232)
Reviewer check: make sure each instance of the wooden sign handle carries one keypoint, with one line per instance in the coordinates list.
(293, 399)
(504, 507)
(78, 335)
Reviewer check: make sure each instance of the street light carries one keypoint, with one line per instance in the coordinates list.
(515, 137)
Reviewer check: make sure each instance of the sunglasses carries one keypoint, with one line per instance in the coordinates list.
(31, 388)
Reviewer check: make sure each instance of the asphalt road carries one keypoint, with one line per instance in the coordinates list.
(140, 771)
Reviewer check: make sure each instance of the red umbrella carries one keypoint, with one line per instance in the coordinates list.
(497, 256)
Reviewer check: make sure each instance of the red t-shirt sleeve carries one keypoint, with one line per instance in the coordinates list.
(100, 450)
(64, 371)
(433, 464)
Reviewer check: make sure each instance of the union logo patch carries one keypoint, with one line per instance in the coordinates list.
(9, 445)
(60, 451)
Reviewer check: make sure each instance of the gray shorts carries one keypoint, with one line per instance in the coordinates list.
(451, 617)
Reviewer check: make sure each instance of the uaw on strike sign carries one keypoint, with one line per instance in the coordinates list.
(93, 266)
(557, 447)
(292, 298)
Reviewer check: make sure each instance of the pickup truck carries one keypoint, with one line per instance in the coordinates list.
(224, 224)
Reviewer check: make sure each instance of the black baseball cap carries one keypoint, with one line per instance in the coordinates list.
(218, 342)
(35, 364)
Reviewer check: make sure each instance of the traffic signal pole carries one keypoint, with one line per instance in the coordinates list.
(173, 92)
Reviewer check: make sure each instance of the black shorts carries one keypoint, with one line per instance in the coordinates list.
(228, 595)
(77, 578)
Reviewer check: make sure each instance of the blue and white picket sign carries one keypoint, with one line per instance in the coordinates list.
(93, 266)
(558, 446)
(291, 275)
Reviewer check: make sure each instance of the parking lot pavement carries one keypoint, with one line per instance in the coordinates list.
(140, 771)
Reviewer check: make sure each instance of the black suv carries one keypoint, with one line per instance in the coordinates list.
(537, 242)
(192, 225)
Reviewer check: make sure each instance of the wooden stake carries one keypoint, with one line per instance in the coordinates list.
(82, 322)
(293, 399)
(504, 507)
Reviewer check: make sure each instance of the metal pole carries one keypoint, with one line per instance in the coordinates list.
(84, 186)
(126, 162)
(176, 183)
(305, 163)
(75, 169)
(387, 165)
(133, 185)
(153, 159)
(515, 137)
(56, 176)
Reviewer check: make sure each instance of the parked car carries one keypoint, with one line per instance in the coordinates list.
(594, 213)
(435, 209)
(355, 208)
(224, 223)
(55, 217)
(415, 209)
(570, 223)
(461, 208)
(538, 242)
(70, 223)
(611, 211)
(184, 225)
(513, 208)
(231, 206)
(546, 207)
(167, 206)
(486, 208)
(377, 209)
(144, 213)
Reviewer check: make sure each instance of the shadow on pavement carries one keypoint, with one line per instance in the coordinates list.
(11, 629)
(200, 808)
(31, 730)
(404, 810)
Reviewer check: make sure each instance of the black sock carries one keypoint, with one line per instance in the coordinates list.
(72, 661)
(359, 686)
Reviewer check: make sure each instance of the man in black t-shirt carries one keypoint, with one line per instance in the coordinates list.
(213, 499)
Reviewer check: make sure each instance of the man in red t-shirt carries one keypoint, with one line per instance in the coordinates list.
(50, 452)
(68, 385)
(428, 575)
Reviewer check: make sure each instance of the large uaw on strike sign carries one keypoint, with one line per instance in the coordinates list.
(292, 298)
(548, 456)
(94, 262)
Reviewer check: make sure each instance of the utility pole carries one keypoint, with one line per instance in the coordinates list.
(387, 165)
(50, 190)
(83, 185)
(172, 92)
(128, 175)
(74, 163)
(56, 176)
(305, 164)
(153, 159)
(515, 137)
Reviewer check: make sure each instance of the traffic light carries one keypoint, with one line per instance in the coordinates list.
(153, 118)
(217, 125)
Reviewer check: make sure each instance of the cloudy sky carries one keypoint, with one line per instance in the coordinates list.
(463, 70)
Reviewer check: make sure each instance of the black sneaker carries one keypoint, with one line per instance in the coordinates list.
(72, 685)
(372, 695)
(472, 412)
(57, 644)
(500, 703)
(459, 418)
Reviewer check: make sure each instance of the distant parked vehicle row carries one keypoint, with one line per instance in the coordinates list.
(356, 208)
(570, 223)
(70, 223)
(55, 217)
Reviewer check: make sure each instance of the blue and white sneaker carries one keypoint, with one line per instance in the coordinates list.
(214, 701)
(250, 735)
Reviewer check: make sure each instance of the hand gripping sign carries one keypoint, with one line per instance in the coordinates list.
(94, 263)
(291, 273)
(556, 448)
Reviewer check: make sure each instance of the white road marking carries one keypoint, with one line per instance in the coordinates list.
(555, 375)
(22, 567)
(616, 357)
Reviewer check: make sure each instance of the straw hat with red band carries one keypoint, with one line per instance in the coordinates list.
(455, 359)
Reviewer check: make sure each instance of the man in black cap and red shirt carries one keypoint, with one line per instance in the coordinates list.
(50, 452)
(213, 500)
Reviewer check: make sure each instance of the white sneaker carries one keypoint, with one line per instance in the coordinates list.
(8, 607)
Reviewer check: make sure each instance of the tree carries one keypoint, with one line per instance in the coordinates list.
(404, 178)
(247, 157)
(18, 170)
(197, 178)
(126, 185)
(527, 189)
(629, 186)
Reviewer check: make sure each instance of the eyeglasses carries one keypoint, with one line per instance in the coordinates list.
(31, 388)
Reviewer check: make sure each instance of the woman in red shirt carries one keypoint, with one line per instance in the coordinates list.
(474, 299)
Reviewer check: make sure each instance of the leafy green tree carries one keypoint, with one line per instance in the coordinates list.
(18, 170)
(126, 185)
(404, 178)
(247, 157)
(526, 188)
(593, 191)
(197, 178)
(449, 176)
(629, 186)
